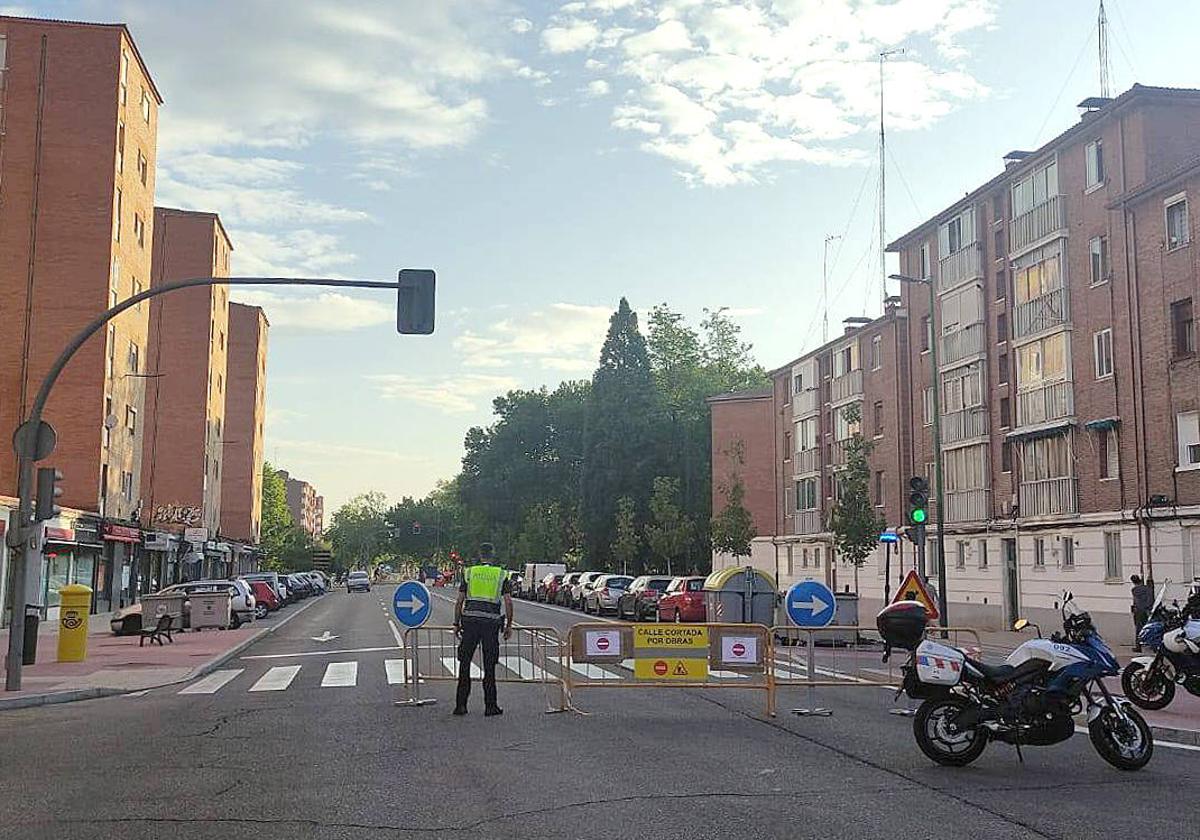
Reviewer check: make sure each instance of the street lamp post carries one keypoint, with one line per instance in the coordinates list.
(937, 442)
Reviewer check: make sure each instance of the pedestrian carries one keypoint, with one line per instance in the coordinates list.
(1143, 600)
(478, 621)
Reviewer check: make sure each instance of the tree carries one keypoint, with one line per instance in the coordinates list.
(359, 531)
(670, 531)
(732, 527)
(853, 520)
(627, 543)
(279, 537)
(622, 433)
(543, 536)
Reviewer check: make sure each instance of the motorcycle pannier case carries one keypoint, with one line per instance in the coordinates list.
(902, 624)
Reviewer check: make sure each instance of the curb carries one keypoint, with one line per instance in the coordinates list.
(75, 694)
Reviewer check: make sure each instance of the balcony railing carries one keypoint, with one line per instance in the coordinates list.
(962, 344)
(1042, 405)
(808, 521)
(968, 505)
(846, 386)
(1049, 496)
(808, 461)
(1047, 218)
(806, 402)
(963, 265)
(1042, 313)
(838, 453)
(965, 424)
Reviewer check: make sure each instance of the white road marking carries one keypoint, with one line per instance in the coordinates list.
(727, 675)
(396, 633)
(592, 672)
(523, 668)
(340, 674)
(397, 669)
(212, 683)
(276, 679)
(451, 665)
(317, 653)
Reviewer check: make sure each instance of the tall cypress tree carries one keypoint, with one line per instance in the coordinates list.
(620, 438)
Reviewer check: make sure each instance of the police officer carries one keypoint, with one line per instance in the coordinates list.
(478, 621)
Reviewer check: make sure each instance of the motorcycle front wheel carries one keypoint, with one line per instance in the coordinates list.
(1145, 688)
(940, 740)
(1126, 744)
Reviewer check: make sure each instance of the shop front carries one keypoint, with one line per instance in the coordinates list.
(159, 565)
(71, 553)
(120, 557)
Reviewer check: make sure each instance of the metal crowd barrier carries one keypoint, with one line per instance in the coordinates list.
(431, 655)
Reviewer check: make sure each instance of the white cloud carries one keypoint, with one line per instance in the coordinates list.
(668, 37)
(520, 25)
(571, 36)
(328, 311)
(564, 336)
(293, 253)
(460, 394)
(598, 87)
(301, 450)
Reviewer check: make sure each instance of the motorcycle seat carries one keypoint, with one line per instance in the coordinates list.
(996, 673)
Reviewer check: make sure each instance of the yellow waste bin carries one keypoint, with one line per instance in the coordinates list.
(75, 601)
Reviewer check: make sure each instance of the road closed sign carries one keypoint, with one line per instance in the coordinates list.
(670, 668)
(602, 642)
(670, 637)
(739, 650)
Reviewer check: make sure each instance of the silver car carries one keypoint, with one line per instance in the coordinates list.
(604, 592)
(581, 588)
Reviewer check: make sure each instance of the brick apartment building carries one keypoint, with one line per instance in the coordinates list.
(1069, 377)
(245, 409)
(306, 506)
(185, 396)
(78, 127)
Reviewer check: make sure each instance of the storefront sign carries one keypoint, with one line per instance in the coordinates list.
(157, 540)
(178, 514)
(59, 535)
(196, 536)
(122, 533)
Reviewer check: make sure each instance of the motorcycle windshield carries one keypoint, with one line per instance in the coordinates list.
(1104, 654)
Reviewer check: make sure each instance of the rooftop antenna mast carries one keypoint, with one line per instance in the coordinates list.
(825, 289)
(883, 56)
(1102, 39)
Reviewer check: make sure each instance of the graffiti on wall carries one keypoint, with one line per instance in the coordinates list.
(178, 514)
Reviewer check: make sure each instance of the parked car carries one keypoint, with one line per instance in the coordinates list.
(127, 621)
(275, 581)
(562, 595)
(241, 606)
(320, 585)
(303, 586)
(265, 598)
(547, 588)
(581, 588)
(639, 601)
(358, 581)
(534, 574)
(604, 592)
(683, 600)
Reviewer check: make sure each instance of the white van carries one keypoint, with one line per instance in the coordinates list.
(534, 572)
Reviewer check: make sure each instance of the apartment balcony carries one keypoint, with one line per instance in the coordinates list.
(838, 453)
(965, 343)
(964, 264)
(1044, 312)
(846, 386)
(808, 461)
(969, 505)
(806, 402)
(964, 425)
(1055, 401)
(808, 522)
(1049, 496)
(1047, 219)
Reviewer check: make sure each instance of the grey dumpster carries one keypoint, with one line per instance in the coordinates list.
(156, 606)
(210, 609)
(740, 595)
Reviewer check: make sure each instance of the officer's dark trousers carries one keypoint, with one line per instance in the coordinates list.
(476, 631)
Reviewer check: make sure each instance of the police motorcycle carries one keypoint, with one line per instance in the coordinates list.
(1173, 635)
(1030, 700)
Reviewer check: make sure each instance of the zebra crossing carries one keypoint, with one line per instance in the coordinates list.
(350, 673)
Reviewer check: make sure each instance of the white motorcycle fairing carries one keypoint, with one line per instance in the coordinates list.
(1057, 655)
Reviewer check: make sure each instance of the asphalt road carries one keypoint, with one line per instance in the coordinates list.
(320, 751)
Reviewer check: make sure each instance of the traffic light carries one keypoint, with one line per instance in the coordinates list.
(918, 501)
(415, 301)
(45, 506)
(416, 528)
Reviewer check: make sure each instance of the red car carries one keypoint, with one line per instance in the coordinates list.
(265, 598)
(547, 588)
(683, 600)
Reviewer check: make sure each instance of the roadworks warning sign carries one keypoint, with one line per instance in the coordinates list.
(669, 668)
(670, 637)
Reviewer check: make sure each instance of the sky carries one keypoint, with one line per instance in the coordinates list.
(547, 158)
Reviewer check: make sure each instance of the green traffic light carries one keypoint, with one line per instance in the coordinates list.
(918, 515)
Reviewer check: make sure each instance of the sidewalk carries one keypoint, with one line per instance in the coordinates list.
(116, 665)
(1178, 722)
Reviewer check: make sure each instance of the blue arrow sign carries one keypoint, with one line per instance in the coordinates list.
(810, 603)
(411, 603)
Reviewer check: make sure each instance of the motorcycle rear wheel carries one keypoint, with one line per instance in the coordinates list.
(1144, 690)
(933, 729)
(1124, 745)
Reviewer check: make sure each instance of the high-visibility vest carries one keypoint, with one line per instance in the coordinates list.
(485, 588)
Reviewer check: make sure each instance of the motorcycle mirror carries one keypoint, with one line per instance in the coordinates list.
(1020, 624)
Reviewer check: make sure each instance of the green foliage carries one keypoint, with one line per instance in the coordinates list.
(359, 532)
(627, 542)
(853, 520)
(670, 531)
(732, 527)
(285, 546)
(544, 534)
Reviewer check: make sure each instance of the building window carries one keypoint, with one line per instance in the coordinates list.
(1066, 547)
(816, 558)
(1006, 457)
(137, 290)
(1002, 369)
(1102, 353)
(879, 488)
(1112, 555)
(1099, 249)
(120, 145)
(806, 434)
(130, 419)
(843, 429)
(112, 350)
(134, 357)
(1002, 328)
(143, 168)
(139, 230)
(1040, 275)
(1183, 328)
(220, 384)
(1110, 462)
(927, 416)
(103, 486)
(1187, 430)
(876, 352)
(1035, 189)
(879, 418)
(1001, 284)
(798, 383)
(124, 76)
(1039, 552)
(791, 571)
(145, 106)
(1177, 223)
(106, 435)
(998, 243)
(1005, 413)
(804, 558)
(1046, 458)
(806, 494)
(117, 216)
(960, 554)
(923, 258)
(982, 551)
(931, 556)
(1043, 361)
(222, 339)
(127, 486)
(926, 334)
(957, 233)
(1094, 153)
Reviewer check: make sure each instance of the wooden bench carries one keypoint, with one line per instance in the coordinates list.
(156, 633)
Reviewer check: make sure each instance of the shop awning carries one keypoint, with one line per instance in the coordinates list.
(1101, 425)
(122, 533)
(1043, 430)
